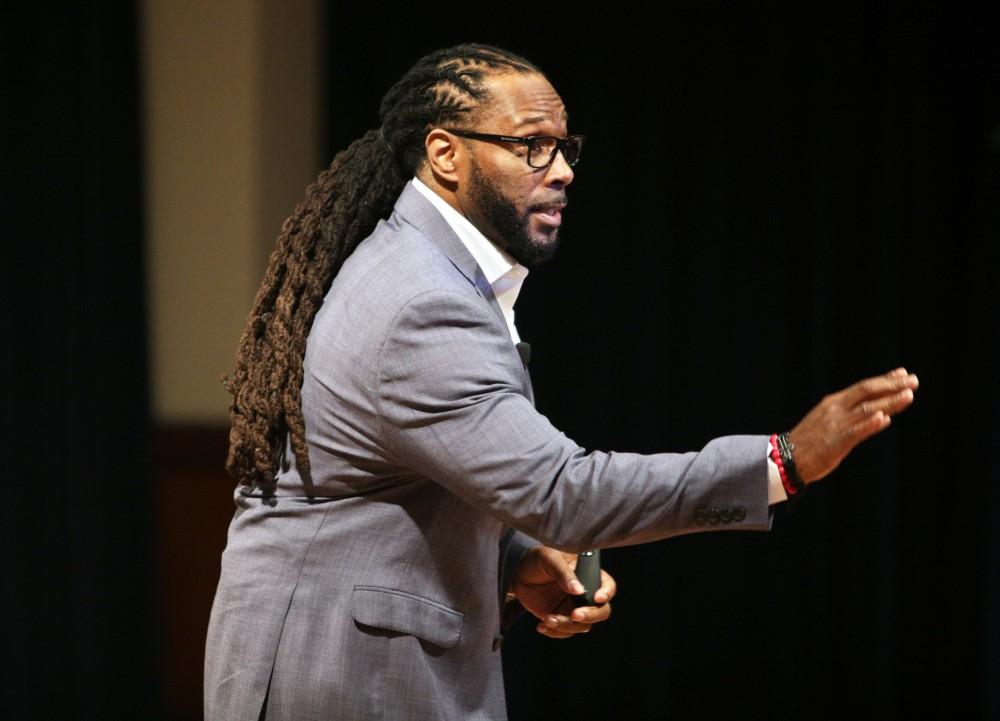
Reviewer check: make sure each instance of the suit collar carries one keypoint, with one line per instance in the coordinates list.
(419, 212)
(495, 262)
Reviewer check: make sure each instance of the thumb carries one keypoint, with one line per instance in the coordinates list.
(562, 571)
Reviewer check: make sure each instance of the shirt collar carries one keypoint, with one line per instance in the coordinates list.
(504, 274)
(495, 262)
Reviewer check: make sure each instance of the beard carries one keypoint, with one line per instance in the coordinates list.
(511, 227)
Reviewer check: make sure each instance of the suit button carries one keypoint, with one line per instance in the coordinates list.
(713, 516)
(700, 517)
(727, 515)
(740, 514)
(497, 641)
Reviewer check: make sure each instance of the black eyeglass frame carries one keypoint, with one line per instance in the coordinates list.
(530, 142)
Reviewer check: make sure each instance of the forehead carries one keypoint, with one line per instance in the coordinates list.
(523, 99)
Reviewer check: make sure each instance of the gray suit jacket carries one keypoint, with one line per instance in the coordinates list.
(368, 589)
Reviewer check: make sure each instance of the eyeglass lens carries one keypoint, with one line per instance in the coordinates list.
(543, 151)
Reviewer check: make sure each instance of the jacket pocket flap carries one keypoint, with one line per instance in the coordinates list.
(407, 613)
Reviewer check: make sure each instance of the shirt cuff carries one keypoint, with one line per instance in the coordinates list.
(775, 489)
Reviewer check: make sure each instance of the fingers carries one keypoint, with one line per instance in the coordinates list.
(873, 415)
(562, 572)
(607, 590)
(552, 565)
(555, 632)
(581, 620)
(892, 382)
(546, 588)
(890, 405)
(591, 614)
(842, 420)
(867, 427)
(559, 626)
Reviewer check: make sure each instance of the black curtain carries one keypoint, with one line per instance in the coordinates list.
(80, 610)
(770, 206)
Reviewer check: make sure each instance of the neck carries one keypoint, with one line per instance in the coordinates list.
(444, 189)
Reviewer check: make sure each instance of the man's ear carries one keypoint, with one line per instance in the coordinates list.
(445, 154)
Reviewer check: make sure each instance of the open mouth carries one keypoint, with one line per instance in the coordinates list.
(551, 215)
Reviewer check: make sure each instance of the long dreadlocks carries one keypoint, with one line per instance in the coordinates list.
(340, 209)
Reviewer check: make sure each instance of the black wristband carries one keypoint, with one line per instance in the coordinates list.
(786, 448)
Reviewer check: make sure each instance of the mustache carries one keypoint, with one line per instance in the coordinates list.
(554, 200)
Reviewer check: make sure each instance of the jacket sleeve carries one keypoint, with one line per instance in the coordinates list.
(513, 546)
(451, 408)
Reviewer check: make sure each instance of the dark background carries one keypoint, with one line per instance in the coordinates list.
(770, 206)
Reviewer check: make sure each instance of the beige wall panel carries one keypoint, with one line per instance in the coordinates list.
(222, 166)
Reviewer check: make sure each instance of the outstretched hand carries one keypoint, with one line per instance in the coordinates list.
(545, 584)
(842, 420)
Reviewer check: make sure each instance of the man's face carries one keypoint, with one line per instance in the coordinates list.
(516, 206)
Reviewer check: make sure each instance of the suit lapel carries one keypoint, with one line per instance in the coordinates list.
(524, 351)
(416, 210)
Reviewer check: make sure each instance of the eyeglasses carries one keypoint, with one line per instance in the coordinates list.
(542, 149)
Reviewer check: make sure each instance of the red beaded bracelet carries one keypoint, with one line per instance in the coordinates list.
(790, 488)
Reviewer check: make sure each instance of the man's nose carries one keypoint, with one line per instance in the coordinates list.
(559, 172)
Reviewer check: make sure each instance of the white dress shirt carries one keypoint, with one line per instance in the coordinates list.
(505, 275)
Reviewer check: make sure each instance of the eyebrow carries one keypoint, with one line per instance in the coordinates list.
(541, 118)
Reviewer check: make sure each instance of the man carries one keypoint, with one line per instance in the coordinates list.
(385, 439)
